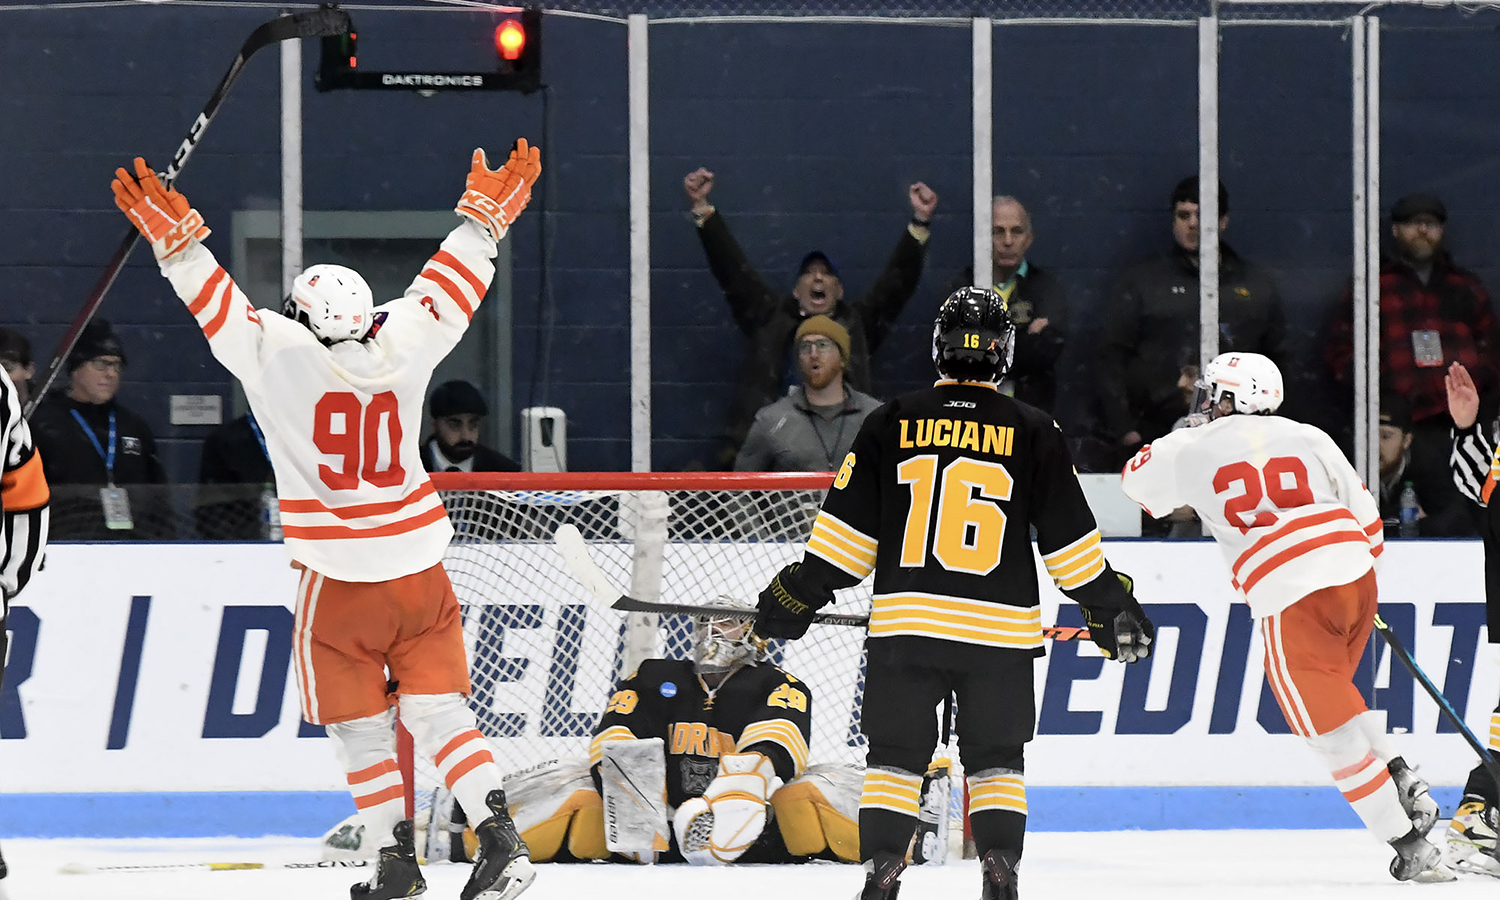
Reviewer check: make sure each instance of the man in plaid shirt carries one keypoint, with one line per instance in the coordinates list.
(1432, 313)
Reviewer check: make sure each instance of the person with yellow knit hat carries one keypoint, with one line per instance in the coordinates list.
(813, 426)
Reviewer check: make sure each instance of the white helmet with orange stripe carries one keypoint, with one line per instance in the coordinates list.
(1250, 381)
(334, 302)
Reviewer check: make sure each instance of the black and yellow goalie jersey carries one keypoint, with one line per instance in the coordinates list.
(759, 708)
(938, 497)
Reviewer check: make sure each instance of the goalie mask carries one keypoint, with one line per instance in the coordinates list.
(333, 302)
(722, 643)
(1250, 381)
(973, 338)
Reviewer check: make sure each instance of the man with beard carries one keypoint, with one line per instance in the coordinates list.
(813, 426)
(1432, 314)
(458, 411)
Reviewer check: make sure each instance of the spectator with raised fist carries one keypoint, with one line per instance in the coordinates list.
(769, 315)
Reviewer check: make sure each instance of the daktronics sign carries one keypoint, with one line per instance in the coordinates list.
(420, 80)
(167, 668)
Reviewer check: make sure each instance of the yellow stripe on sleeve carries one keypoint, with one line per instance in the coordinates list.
(843, 546)
(781, 733)
(612, 733)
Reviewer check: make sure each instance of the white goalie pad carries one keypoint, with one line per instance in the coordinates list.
(536, 794)
(634, 777)
(930, 844)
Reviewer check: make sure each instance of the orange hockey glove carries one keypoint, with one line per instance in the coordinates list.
(163, 216)
(495, 197)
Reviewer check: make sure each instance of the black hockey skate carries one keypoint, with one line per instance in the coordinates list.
(1418, 803)
(502, 867)
(1418, 859)
(1000, 879)
(881, 874)
(396, 871)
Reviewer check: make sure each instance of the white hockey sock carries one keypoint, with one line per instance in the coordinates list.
(367, 751)
(1363, 778)
(1373, 725)
(443, 728)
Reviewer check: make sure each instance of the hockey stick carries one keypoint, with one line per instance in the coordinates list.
(575, 553)
(325, 21)
(86, 869)
(1446, 708)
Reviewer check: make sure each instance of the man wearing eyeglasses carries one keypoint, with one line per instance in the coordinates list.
(1151, 326)
(1433, 313)
(813, 426)
(99, 457)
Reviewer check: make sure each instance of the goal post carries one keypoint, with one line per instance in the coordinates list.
(545, 652)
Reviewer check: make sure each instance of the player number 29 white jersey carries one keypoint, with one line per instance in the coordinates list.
(342, 422)
(1288, 511)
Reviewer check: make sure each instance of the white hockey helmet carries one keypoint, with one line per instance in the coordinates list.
(723, 642)
(1251, 381)
(333, 302)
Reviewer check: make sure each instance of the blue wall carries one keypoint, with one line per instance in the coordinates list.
(814, 132)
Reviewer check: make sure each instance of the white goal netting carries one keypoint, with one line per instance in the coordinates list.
(545, 652)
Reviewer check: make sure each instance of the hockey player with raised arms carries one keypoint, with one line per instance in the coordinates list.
(1301, 535)
(336, 384)
(723, 739)
(938, 498)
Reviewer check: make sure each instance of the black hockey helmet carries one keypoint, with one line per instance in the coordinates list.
(973, 338)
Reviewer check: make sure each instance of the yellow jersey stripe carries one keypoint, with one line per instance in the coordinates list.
(838, 556)
(1077, 548)
(898, 793)
(846, 531)
(780, 732)
(612, 733)
(1007, 792)
(956, 619)
(1082, 576)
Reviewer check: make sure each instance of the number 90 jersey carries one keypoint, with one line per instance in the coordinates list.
(1288, 511)
(341, 422)
(938, 498)
(758, 708)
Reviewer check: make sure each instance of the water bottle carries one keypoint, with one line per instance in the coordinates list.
(1408, 510)
(270, 513)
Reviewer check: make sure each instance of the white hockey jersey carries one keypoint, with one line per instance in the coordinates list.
(342, 423)
(1290, 514)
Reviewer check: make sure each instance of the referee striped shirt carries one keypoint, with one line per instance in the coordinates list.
(23, 497)
(1474, 464)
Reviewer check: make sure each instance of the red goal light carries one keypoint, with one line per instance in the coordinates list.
(510, 40)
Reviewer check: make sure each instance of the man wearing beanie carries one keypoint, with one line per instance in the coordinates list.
(99, 457)
(1433, 313)
(458, 411)
(812, 428)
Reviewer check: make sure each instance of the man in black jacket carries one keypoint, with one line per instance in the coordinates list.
(769, 317)
(1037, 301)
(99, 457)
(1151, 328)
(458, 411)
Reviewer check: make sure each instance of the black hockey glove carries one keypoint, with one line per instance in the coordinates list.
(1122, 633)
(785, 608)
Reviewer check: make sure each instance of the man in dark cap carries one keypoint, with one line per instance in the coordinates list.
(458, 411)
(769, 317)
(1432, 314)
(1441, 511)
(1151, 328)
(99, 457)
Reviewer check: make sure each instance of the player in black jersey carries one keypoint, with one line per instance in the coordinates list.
(733, 734)
(937, 498)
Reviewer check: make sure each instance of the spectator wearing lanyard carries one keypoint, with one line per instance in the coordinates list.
(235, 478)
(813, 426)
(99, 456)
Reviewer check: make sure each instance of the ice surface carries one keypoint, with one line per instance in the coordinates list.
(1159, 865)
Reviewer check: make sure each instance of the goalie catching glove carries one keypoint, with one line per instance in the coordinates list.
(722, 824)
(493, 198)
(786, 607)
(1121, 632)
(162, 215)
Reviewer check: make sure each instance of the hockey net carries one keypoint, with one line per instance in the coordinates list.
(544, 652)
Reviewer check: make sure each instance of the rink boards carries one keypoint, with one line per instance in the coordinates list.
(149, 690)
